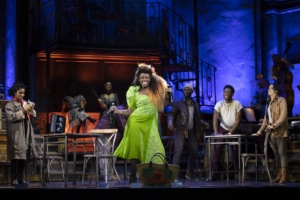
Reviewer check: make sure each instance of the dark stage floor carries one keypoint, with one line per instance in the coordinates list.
(184, 188)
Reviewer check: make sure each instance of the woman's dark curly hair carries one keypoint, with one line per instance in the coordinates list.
(16, 86)
(157, 86)
(146, 70)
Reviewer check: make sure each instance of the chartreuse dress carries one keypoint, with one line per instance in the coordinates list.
(141, 139)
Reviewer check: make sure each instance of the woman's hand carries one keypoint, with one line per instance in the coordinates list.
(28, 107)
(112, 109)
(102, 105)
(170, 125)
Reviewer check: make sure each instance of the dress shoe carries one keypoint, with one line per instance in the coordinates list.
(191, 177)
(209, 179)
(23, 182)
(14, 182)
(113, 177)
(132, 180)
(109, 178)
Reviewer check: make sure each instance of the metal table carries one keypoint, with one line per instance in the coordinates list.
(227, 140)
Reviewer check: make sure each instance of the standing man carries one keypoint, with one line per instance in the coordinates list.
(226, 119)
(185, 120)
(276, 124)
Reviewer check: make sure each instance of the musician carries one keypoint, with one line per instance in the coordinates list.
(281, 75)
(75, 104)
(106, 100)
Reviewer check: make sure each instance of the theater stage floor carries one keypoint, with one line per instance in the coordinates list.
(185, 188)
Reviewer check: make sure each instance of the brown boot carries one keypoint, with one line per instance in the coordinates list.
(283, 176)
(277, 179)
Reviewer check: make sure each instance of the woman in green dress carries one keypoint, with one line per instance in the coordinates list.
(145, 98)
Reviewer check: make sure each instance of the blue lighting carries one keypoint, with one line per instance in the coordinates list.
(10, 46)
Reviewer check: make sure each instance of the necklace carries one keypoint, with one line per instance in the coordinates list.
(108, 96)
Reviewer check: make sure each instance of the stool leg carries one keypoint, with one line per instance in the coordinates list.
(105, 168)
(62, 169)
(41, 171)
(243, 171)
(83, 170)
(227, 162)
(48, 169)
(113, 162)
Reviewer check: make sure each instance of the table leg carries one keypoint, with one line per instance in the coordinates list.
(209, 158)
(44, 163)
(97, 160)
(74, 161)
(227, 160)
(66, 162)
(239, 156)
(256, 164)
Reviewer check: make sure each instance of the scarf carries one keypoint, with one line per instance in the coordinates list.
(22, 102)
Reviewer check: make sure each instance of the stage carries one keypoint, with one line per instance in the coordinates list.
(182, 189)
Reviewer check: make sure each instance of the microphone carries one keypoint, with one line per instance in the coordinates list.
(111, 119)
(170, 96)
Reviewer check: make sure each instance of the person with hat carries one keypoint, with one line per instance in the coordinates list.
(185, 120)
(226, 119)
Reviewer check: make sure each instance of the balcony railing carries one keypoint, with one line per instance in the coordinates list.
(96, 24)
(102, 24)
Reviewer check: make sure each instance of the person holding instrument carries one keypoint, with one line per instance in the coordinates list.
(107, 120)
(281, 75)
(75, 104)
(105, 101)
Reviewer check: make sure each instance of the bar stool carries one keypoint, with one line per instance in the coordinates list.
(107, 140)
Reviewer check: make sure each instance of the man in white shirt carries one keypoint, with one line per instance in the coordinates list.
(226, 119)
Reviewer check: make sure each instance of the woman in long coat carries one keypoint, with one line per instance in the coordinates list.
(19, 131)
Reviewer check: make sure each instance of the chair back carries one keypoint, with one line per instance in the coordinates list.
(106, 140)
(39, 145)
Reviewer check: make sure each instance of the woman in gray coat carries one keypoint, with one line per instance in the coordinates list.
(19, 131)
